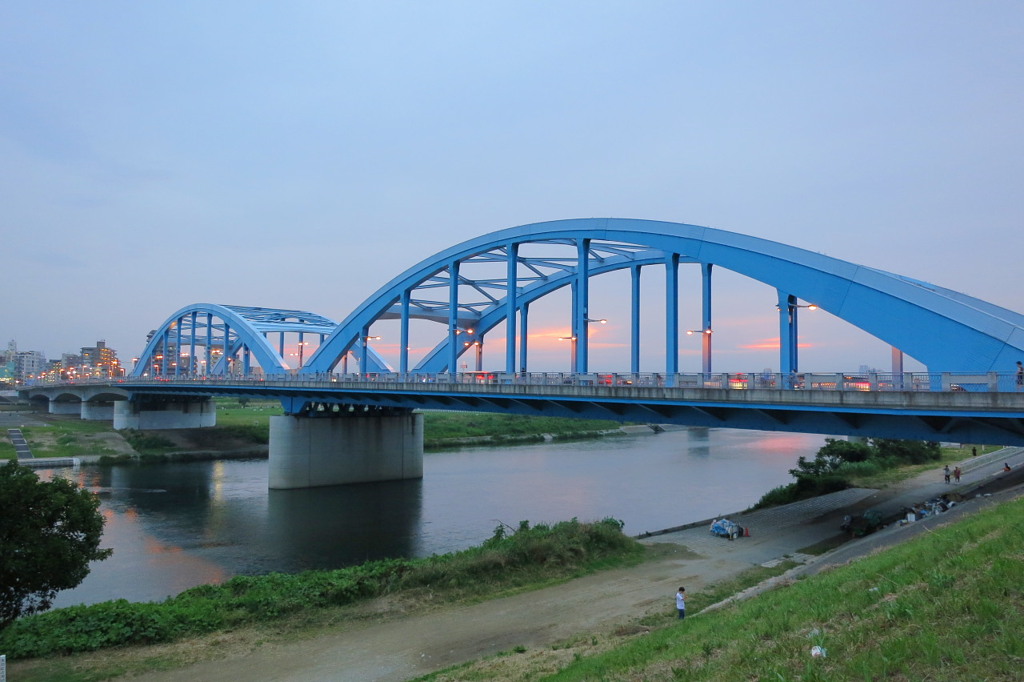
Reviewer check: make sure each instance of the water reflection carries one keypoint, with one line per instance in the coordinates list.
(700, 441)
(341, 525)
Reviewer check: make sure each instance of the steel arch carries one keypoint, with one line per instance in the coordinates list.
(239, 329)
(943, 329)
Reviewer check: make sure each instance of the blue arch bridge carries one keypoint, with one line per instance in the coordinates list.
(351, 417)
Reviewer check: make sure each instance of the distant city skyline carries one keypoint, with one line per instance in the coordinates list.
(157, 156)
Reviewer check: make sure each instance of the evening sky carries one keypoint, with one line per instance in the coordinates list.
(301, 154)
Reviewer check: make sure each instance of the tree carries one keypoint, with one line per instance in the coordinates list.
(49, 532)
(830, 457)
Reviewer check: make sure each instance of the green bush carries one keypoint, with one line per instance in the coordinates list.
(907, 451)
(839, 461)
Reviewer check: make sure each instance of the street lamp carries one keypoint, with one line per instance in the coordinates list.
(789, 345)
(573, 340)
(705, 351)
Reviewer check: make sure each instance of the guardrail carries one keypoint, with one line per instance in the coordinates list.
(990, 382)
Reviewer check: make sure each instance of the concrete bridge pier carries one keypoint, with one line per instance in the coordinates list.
(66, 407)
(174, 413)
(97, 410)
(345, 444)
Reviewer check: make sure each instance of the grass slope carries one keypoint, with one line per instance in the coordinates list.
(948, 605)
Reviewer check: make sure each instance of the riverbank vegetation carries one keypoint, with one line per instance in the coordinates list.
(452, 429)
(841, 464)
(512, 559)
(943, 606)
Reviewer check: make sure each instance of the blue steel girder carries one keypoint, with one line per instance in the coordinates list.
(204, 325)
(943, 329)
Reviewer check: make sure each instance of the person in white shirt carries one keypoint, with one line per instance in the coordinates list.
(681, 602)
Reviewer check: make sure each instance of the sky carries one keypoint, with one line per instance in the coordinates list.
(299, 155)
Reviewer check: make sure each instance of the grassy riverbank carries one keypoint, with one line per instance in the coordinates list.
(512, 560)
(943, 606)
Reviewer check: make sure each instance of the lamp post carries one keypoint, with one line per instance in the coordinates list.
(705, 348)
(572, 351)
(364, 351)
(583, 358)
(788, 334)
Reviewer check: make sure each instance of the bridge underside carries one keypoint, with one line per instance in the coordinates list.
(873, 415)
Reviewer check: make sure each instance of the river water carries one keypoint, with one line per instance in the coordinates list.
(174, 526)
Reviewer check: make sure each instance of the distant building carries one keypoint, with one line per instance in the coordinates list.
(22, 365)
(100, 361)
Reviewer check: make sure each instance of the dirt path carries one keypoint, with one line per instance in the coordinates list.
(420, 644)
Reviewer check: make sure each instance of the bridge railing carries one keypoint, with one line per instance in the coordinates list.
(988, 382)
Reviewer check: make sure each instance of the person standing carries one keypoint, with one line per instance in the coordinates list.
(945, 473)
(956, 474)
(681, 602)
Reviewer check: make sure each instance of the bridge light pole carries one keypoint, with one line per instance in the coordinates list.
(705, 351)
(455, 332)
(363, 351)
(788, 335)
(573, 340)
(585, 334)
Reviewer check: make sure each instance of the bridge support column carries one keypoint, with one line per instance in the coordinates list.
(178, 413)
(339, 448)
(97, 411)
(65, 407)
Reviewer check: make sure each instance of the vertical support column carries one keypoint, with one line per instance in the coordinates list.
(524, 320)
(479, 343)
(163, 360)
(246, 359)
(302, 351)
(453, 317)
(705, 271)
(511, 295)
(209, 343)
(897, 369)
(192, 364)
(672, 315)
(403, 351)
(364, 343)
(280, 345)
(227, 356)
(634, 336)
(787, 335)
(177, 347)
(581, 306)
